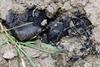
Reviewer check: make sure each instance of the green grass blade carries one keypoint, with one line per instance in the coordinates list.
(28, 57)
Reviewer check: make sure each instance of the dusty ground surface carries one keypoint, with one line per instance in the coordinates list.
(8, 56)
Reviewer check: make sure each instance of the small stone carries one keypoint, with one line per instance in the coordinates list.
(60, 5)
(9, 54)
(44, 22)
(51, 9)
(98, 48)
(8, 51)
(66, 6)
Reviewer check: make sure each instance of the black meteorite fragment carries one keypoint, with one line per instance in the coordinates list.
(82, 25)
(13, 19)
(31, 29)
(66, 20)
(58, 29)
(71, 25)
(74, 58)
(55, 31)
(38, 17)
(26, 32)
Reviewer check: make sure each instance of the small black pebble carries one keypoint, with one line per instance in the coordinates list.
(55, 31)
(74, 58)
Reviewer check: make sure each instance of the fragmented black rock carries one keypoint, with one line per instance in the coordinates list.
(66, 20)
(33, 21)
(53, 30)
(38, 17)
(13, 19)
(82, 25)
(65, 25)
(26, 32)
(74, 58)
(58, 28)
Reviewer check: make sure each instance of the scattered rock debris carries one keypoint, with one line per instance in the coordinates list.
(77, 24)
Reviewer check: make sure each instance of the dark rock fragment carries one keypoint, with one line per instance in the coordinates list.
(55, 31)
(38, 17)
(26, 32)
(13, 19)
(55, 28)
(33, 27)
(74, 58)
(58, 28)
(83, 25)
